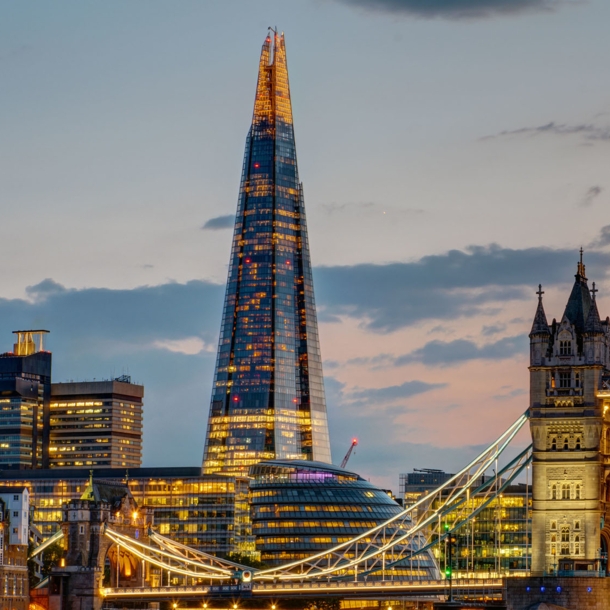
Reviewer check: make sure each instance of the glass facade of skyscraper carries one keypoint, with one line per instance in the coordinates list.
(25, 392)
(268, 398)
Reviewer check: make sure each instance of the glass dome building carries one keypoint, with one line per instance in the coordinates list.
(300, 508)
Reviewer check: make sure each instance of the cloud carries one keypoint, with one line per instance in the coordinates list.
(603, 239)
(590, 195)
(444, 286)
(511, 394)
(588, 130)
(493, 329)
(189, 345)
(391, 393)
(440, 353)
(454, 9)
(219, 223)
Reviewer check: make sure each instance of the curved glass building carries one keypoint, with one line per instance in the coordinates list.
(300, 508)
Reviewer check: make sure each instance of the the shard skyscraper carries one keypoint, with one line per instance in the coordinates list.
(268, 397)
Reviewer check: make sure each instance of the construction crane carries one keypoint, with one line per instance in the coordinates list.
(349, 453)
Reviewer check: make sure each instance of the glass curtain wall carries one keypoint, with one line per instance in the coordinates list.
(268, 397)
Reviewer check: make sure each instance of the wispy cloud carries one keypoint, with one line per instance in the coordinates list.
(603, 239)
(189, 345)
(441, 353)
(454, 9)
(391, 393)
(590, 196)
(589, 131)
(219, 223)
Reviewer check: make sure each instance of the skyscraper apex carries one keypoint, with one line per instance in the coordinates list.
(268, 398)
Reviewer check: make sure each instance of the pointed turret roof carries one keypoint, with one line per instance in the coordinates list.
(593, 323)
(540, 325)
(579, 303)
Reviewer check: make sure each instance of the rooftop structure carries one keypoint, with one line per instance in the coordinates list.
(268, 399)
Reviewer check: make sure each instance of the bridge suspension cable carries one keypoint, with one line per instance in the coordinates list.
(415, 529)
(175, 557)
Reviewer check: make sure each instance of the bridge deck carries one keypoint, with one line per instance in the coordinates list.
(470, 587)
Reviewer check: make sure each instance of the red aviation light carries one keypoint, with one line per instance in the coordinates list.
(248, 260)
(288, 262)
(257, 165)
(235, 398)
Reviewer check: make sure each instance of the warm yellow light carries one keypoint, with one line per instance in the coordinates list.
(135, 514)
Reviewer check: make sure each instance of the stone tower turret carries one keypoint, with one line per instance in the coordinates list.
(570, 426)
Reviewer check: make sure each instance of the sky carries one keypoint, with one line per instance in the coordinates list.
(454, 155)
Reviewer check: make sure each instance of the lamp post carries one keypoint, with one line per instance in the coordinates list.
(449, 564)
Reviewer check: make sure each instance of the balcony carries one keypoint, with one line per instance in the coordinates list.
(558, 392)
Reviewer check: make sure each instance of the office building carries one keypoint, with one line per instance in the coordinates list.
(413, 485)
(300, 508)
(498, 540)
(208, 513)
(25, 392)
(14, 528)
(268, 399)
(96, 424)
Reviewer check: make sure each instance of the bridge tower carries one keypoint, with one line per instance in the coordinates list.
(91, 559)
(570, 426)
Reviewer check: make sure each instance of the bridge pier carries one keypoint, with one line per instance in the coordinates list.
(91, 559)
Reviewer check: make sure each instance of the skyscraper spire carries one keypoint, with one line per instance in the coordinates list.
(268, 398)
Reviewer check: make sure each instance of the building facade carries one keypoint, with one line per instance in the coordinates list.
(301, 508)
(413, 485)
(208, 513)
(96, 424)
(268, 399)
(570, 427)
(25, 392)
(14, 528)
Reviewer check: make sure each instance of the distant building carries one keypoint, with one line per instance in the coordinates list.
(25, 393)
(209, 513)
(14, 528)
(96, 424)
(414, 485)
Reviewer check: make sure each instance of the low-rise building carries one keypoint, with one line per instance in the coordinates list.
(207, 512)
(14, 528)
